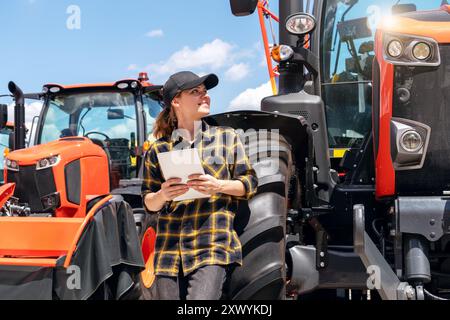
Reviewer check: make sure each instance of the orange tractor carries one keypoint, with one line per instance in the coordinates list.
(67, 215)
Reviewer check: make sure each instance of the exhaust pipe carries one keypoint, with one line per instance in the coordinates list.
(19, 116)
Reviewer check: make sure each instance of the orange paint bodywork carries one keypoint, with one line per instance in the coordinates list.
(40, 241)
(93, 182)
(30, 241)
(6, 191)
(37, 237)
(439, 31)
(112, 85)
(384, 169)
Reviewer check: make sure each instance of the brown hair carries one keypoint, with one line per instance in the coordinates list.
(165, 123)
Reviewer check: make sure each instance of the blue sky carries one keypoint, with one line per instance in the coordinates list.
(117, 39)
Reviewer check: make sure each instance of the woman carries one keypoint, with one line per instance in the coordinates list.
(196, 242)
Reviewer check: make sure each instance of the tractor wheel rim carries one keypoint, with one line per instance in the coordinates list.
(148, 251)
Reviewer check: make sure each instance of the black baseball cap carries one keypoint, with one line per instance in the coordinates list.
(184, 80)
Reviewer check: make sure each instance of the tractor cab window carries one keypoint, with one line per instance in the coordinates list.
(347, 54)
(107, 118)
(152, 108)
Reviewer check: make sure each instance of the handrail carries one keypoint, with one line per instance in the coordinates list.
(262, 10)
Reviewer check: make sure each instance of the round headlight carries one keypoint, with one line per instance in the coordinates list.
(395, 48)
(421, 51)
(43, 163)
(134, 84)
(300, 23)
(411, 141)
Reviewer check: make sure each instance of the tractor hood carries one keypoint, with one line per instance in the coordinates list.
(68, 149)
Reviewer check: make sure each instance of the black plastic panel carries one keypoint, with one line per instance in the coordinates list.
(32, 184)
(429, 104)
(72, 173)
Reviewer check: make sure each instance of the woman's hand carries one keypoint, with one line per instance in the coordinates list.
(172, 188)
(205, 183)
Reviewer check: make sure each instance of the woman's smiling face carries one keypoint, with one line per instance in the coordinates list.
(193, 103)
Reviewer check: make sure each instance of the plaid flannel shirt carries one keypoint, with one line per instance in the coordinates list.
(194, 233)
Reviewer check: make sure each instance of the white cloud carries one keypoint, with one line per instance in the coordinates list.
(237, 72)
(155, 33)
(215, 55)
(250, 99)
(132, 67)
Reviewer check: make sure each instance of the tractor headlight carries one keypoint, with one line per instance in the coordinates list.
(122, 85)
(411, 141)
(421, 51)
(282, 53)
(47, 162)
(11, 165)
(395, 48)
(300, 23)
(409, 50)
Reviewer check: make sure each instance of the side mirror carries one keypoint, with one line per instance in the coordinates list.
(243, 7)
(3, 115)
(115, 114)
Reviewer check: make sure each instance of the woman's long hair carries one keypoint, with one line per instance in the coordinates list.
(165, 123)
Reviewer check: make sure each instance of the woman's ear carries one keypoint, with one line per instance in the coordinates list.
(175, 103)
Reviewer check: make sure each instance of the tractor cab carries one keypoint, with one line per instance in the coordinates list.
(346, 50)
(116, 116)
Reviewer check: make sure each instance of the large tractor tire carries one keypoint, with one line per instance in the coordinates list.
(145, 285)
(261, 223)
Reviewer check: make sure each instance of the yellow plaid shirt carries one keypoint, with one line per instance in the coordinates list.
(194, 233)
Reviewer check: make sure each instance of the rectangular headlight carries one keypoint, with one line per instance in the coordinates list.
(401, 49)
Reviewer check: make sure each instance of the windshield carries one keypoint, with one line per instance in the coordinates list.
(347, 53)
(107, 118)
(152, 108)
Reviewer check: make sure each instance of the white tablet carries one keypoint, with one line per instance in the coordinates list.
(181, 164)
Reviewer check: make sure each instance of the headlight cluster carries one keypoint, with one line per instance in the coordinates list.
(47, 162)
(127, 84)
(411, 50)
(409, 143)
(11, 165)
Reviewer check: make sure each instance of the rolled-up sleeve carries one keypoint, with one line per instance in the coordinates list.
(243, 171)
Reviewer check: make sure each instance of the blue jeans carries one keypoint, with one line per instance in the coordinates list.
(204, 283)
